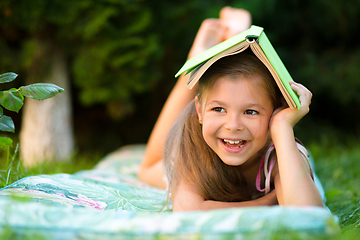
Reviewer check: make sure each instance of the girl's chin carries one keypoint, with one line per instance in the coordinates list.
(233, 162)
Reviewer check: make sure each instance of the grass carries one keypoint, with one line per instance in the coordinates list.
(11, 168)
(336, 165)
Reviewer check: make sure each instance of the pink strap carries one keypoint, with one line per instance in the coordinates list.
(264, 161)
(258, 177)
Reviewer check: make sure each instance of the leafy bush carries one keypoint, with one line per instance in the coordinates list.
(13, 100)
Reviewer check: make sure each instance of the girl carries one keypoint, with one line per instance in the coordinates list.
(232, 123)
(214, 154)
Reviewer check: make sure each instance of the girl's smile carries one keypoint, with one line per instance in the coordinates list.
(234, 145)
(235, 117)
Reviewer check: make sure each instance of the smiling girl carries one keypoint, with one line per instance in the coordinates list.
(236, 139)
(234, 144)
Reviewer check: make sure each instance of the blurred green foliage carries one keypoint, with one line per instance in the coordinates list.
(123, 54)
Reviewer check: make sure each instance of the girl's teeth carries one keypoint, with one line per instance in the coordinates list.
(236, 143)
(231, 142)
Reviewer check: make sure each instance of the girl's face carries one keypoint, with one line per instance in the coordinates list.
(235, 118)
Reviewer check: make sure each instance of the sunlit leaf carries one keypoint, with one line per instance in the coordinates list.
(41, 91)
(11, 100)
(7, 77)
(6, 124)
(5, 142)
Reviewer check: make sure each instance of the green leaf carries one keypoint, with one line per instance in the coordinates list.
(1, 111)
(5, 142)
(7, 77)
(11, 100)
(41, 91)
(7, 124)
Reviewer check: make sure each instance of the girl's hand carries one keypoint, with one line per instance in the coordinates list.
(290, 116)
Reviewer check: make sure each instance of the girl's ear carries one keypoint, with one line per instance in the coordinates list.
(198, 109)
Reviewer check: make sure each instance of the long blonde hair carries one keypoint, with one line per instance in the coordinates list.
(186, 154)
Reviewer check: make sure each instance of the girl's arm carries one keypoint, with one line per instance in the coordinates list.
(186, 199)
(293, 183)
(151, 169)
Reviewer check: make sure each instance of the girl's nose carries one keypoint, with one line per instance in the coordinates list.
(234, 123)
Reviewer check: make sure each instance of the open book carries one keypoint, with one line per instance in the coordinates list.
(260, 45)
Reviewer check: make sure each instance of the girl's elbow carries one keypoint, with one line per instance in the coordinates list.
(318, 203)
(315, 200)
(306, 203)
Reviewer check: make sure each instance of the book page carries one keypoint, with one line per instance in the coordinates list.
(204, 56)
(259, 53)
(278, 65)
(196, 74)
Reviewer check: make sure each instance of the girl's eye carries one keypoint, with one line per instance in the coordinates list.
(218, 109)
(251, 112)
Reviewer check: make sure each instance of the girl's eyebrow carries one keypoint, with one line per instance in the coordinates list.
(215, 102)
(249, 105)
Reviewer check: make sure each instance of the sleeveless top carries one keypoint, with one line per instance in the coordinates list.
(268, 167)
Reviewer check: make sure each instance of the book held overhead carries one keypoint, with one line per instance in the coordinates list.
(256, 39)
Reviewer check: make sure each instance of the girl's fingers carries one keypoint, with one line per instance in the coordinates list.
(300, 88)
(292, 116)
(304, 94)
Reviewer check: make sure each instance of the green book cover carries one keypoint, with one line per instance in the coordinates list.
(256, 38)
